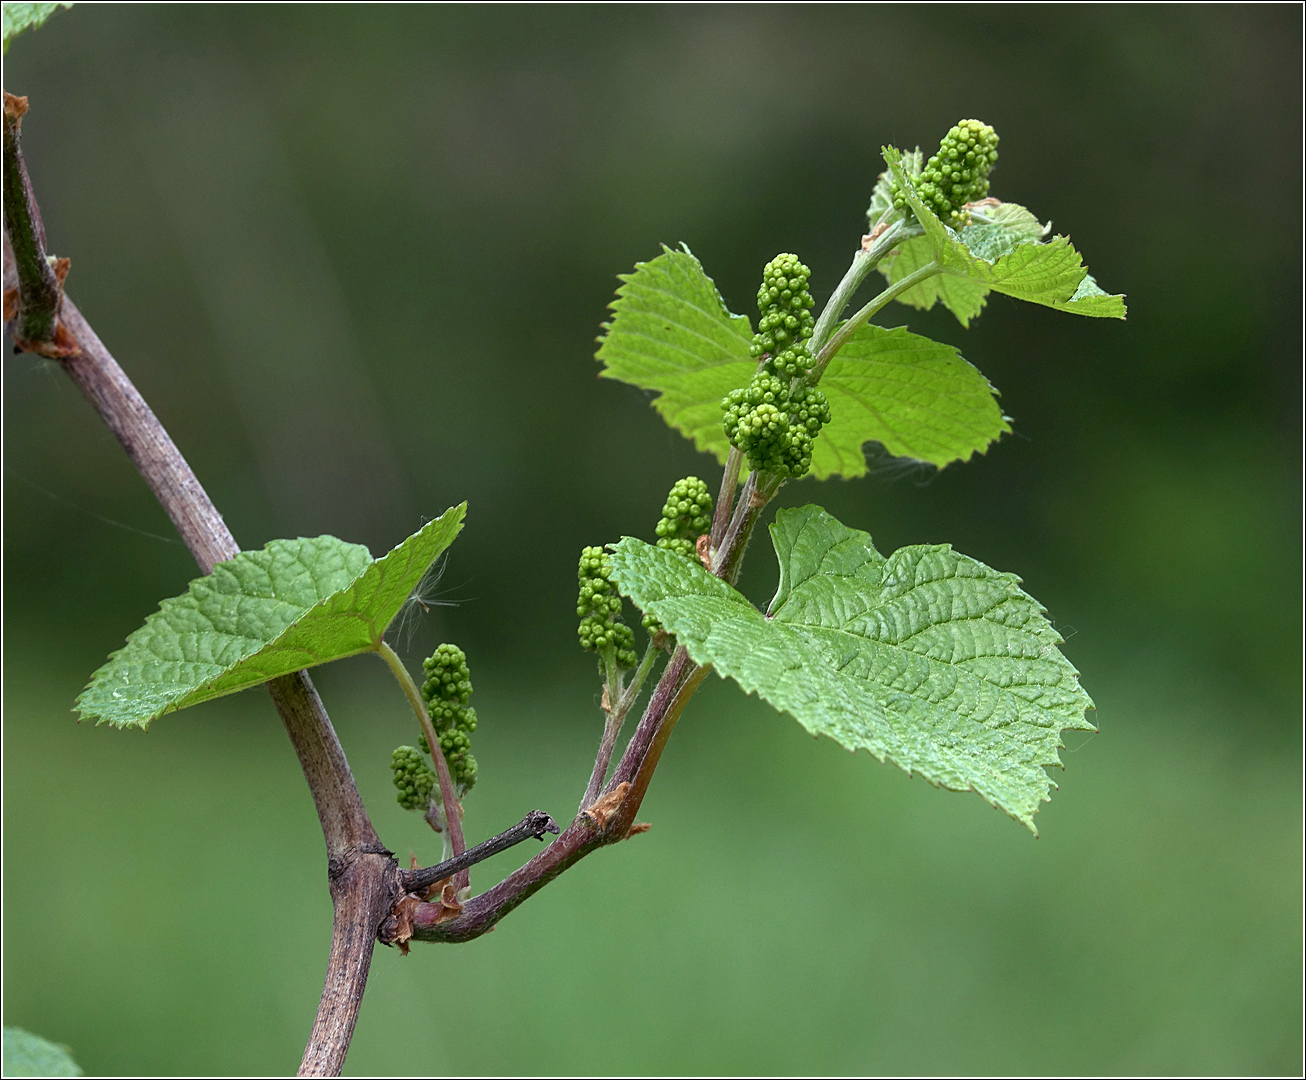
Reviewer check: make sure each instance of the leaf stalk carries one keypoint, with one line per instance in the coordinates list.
(453, 811)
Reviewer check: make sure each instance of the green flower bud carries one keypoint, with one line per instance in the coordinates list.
(958, 174)
(447, 688)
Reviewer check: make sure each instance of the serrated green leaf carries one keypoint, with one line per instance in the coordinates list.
(20, 17)
(918, 397)
(26, 1054)
(928, 659)
(261, 615)
(672, 332)
(1048, 273)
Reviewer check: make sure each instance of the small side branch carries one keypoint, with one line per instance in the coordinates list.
(34, 306)
(535, 824)
(453, 811)
(725, 498)
(849, 328)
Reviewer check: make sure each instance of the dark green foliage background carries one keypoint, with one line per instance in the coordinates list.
(356, 259)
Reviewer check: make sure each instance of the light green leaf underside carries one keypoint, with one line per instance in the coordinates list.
(26, 1054)
(261, 615)
(1051, 273)
(928, 659)
(672, 332)
(918, 397)
(20, 17)
(963, 297)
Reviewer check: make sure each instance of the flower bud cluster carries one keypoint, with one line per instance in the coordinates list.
(447, 688)
(413, 777)
(686, 515)
(958, 174)
(771, 420)
(599, 606)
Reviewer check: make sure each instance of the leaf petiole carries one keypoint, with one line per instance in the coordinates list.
(866, 260)
(846, 331)
(615, 717)
(453, 813)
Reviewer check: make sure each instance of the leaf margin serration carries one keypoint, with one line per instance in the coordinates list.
(238, 667)
(1003, 275)
(704, 618)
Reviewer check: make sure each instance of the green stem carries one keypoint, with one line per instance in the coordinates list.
(637, 680)
(611, 677)
(615, 716)
(866, 260)
(850, 327)
(452, 811)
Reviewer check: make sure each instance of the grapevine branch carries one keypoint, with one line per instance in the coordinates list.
(362, 874)
(366, 883)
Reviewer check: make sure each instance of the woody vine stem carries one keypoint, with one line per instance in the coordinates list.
(373, 898)
(772, 423)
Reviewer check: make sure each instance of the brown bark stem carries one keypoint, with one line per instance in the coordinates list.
(363, 876)
(535, 824)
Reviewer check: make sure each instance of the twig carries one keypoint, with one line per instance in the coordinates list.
(850, 327)
(725, 564)
(873, 249)
(724, 499)
(686, 689)
(482, 913)
(36, 303)
(535, 824)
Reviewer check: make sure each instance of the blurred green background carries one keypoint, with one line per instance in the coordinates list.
(356, 259)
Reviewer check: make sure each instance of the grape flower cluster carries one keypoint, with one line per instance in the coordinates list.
(958, 174)
(599, 606)
(686, 515)
(774, 420)
(447, 688)
(413, 777)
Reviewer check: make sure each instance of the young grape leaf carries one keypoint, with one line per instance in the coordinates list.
(882, 194)
(672, 332)
(1050, 273)
(928, 658)
(918, 397)
(20, 17)
(261, 615)
(26, 1054)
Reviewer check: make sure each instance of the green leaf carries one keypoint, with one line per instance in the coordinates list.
(261, 615)
(672, 332)
(928, 658)
(20, 17)
(918, 397)
(26, 1054)
(1050, 273)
